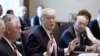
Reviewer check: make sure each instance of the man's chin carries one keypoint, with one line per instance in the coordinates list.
(51, 29)
(81, 31)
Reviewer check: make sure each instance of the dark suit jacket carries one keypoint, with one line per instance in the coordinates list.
(5, 49)
(37, 43)
(94, 27)
(69, 35)
(36, 20)
(23, 24)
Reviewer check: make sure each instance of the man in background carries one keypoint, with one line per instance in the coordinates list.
(24, 21)
(35, 19)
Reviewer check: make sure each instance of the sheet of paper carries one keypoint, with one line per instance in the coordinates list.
(88, 54)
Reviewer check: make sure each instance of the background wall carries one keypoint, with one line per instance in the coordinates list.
(65, 7)
(11, 4)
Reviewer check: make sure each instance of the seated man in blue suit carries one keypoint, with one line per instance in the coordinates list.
(79, 30)
(41, 42)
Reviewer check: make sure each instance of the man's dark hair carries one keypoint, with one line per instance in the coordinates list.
(85, 13)
(10, 11)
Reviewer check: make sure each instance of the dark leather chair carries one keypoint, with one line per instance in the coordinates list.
(24, 35)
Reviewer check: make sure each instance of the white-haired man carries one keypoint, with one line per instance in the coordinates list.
(11, 34)
(41, 42)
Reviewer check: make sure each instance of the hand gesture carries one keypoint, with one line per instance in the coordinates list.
(73, 44)
(50, 48)
(92, 48)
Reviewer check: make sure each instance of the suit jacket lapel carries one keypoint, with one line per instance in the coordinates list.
(73, 31)
(97, 26)
(44, 36)
(8, 47)
(44, 33)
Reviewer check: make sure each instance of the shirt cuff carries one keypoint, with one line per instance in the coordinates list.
(66, 52)
(86, 49)
(45, 54)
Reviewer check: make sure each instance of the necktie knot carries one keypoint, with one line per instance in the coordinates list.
(14, 46)
(54, 42)
(51, 35)
(16, 50)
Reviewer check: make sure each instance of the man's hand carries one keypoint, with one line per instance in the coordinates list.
(73, 44)
(97, 42)
(50, 48)
(91, 48)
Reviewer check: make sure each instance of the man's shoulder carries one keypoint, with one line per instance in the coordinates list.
(36, 29)
(93, 22)
(36, 32)
(69, 29)
(2, 46)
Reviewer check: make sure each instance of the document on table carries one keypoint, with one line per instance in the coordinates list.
(88, 54)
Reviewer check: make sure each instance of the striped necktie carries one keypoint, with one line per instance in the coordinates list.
(55, 45)
(16, 50)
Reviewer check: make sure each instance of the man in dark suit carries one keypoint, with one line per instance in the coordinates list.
(35, 19)
(11, 34)
(24, 21)
(78, 30)
(41, 42)
(95, 27)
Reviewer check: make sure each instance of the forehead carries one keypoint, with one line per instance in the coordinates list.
(49, 15)
(81, 19)
(16, 22)
(49, 12)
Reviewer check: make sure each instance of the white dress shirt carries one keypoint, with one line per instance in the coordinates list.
(32, 21)
(17, 52)
(98, 20)
(91, 37)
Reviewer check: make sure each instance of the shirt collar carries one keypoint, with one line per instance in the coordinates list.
(21, 17)
(7, 41)
(98, 18)
(76, 33)
(47, 31)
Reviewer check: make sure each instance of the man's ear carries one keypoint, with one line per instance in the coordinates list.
(8, 30)
(41, 19)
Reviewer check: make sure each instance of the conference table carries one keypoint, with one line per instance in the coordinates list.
(79, 53)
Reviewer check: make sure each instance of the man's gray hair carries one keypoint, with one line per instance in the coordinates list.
(45, 11)
(9, 19)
